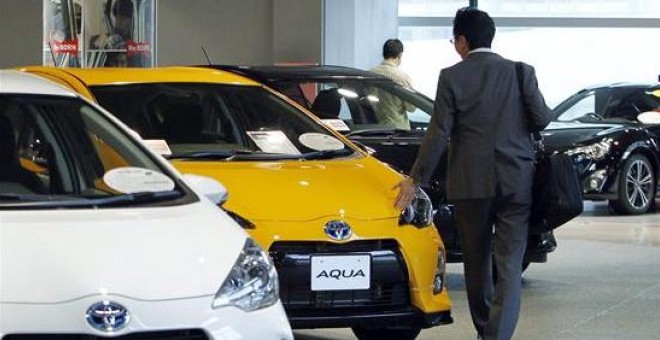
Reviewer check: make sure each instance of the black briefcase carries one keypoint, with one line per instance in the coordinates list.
(557, 193)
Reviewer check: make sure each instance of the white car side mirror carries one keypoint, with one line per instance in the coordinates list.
(208, 187)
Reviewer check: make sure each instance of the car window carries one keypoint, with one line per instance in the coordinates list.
(61, 149)
(195, 120)
(369, 104)
(618, 103)
(628, 103)
(578, 108)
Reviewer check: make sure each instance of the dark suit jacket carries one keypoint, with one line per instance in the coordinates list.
(480, 114)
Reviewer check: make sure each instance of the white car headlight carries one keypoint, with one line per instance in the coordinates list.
(419, 212)
(593, 151)
(251, 283)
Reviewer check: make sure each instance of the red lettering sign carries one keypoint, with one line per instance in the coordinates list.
(137, 47)
(65, 47)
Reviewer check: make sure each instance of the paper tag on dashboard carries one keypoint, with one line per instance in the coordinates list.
(130, 180)
(158, 146)
(336, 124)
(273, 142)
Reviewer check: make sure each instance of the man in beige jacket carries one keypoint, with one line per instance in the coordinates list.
(392, 111)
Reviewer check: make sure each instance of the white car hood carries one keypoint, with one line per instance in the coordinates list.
(51, 256)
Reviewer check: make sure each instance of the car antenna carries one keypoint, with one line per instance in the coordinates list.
(207, 56)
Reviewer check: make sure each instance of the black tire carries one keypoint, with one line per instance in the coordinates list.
(386, 333)
(636, 191)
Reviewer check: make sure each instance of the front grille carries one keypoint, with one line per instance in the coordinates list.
(389, 278)
(186, 334)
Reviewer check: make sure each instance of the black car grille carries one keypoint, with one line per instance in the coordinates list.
(389, 278)
(186, 334)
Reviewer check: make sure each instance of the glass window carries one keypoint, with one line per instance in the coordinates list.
(572, 8)
(57, 149)
(216, 121)
(578, 107)
(566, 59)
(622, 102)
(536, 8)
(368, 103)
(430, 8)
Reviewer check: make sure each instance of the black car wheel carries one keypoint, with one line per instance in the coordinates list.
(636, 187)
(386, 333)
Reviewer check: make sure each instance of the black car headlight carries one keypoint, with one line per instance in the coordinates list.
(592, 151)
(419, 212)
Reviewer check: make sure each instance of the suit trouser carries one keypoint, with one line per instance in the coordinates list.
(494, 307)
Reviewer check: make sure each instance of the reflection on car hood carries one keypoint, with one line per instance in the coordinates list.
(141, 253)
(304, 190)
(563, 134)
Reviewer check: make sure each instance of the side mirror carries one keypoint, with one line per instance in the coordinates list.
(208, 187)
(649, 117)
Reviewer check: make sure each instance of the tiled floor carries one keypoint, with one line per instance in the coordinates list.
(602, 282)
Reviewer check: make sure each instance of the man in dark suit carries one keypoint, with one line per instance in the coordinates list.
(481, 114)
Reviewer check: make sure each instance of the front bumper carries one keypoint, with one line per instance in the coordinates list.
(172, 319)
(405, 317)
(403, 266)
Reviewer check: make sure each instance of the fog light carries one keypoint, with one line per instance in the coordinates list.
(439, 278)
(596, 180)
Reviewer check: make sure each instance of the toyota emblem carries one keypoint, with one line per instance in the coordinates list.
(338, 230)
(108, 316)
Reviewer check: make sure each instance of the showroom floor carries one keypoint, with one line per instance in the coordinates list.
(602, 282)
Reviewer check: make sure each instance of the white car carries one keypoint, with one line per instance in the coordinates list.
(100, 238)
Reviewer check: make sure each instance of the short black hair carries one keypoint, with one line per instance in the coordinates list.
(475, 25)
(392, 48)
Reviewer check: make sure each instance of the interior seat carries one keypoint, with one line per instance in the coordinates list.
(327, 104)
(10, 165)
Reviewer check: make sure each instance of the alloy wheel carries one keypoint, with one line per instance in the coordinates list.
(639, 184)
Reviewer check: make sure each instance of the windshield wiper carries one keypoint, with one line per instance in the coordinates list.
(209, 154)
(590, 117)
(325, 154)
(377, 132)
(32, 198)
(43, 201)
(138, 197)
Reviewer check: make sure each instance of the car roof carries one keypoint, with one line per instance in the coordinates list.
(650, 86)
(173, 74)
(269, 73)
(12, 81)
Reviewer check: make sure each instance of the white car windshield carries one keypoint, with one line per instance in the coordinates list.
(61, 152)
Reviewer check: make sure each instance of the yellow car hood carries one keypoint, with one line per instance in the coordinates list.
(358, 188)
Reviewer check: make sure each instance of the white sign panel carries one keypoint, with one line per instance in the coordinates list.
(337, 124)
(320, 142)
(158, 146)
(129, 180)
(340, 272)
(273, 142)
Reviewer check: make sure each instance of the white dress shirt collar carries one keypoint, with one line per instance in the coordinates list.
(481, 49)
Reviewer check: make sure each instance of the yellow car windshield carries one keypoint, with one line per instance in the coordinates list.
(216, 121)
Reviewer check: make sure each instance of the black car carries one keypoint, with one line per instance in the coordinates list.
(357, 102)
(612, 132)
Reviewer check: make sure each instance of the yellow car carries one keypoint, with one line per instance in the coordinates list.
(321, 206)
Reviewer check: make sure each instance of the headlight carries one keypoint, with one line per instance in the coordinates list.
(593, 151)
(439, 277)
(419, 212)
(251, 283)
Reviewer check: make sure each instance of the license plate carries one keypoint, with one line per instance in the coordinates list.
(340, 272)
